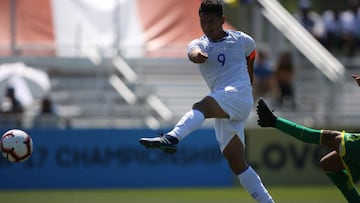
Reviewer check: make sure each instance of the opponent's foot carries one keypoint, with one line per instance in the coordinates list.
(266, 117)
(167, 143)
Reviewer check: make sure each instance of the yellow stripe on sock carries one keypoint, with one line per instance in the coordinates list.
(342, 154)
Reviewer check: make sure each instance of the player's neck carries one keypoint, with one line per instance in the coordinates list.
(220, 37)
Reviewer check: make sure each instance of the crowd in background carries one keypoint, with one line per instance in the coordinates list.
(275, 80)
(338, 30)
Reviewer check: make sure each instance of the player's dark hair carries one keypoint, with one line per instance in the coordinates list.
(211, 6)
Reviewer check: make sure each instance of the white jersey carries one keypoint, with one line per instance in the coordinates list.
(226, 65)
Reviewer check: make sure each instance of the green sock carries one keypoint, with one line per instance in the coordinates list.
(342, 181)
(300, 132)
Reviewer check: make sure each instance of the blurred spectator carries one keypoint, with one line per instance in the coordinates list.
(47, 106)
(342, 29)
(11, 109)
(284, 76)
(264, 77)
(352, 27)
(47, 117)
(335, 30)
(311, 20)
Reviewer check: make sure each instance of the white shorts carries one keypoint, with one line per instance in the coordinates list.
(238, 105)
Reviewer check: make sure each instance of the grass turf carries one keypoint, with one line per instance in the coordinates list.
(308, 194)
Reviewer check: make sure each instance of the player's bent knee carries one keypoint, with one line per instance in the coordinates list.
(197, 106)
(203, 108)
(331, 162)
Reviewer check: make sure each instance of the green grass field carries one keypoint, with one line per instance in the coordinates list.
(308, 194)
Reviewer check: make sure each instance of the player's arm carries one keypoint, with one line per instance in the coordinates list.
(249, 48)
(357, 78)
(250, 64)
(196, 55)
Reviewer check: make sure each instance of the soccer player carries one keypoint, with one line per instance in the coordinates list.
(226, 60)
(341, 164)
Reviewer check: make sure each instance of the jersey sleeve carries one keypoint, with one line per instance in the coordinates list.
(197, 43)
(248, 43)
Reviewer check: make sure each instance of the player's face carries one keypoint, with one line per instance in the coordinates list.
(211, 25)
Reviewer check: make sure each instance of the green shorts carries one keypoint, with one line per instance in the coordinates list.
(350, 154)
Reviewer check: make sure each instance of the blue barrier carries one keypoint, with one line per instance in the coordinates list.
(115, 159)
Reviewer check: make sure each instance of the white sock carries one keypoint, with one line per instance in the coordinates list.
(252, 183)
(190, 121)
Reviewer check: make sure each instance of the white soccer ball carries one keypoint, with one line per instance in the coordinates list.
(16, 145)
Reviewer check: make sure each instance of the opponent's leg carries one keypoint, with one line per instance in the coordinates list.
(234, 152)
(300, 132)
(268, 119)
(333, 167)
(342, 181)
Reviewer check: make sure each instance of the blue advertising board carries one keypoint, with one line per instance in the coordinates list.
(115, 159)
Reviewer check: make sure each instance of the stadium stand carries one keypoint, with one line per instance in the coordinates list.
(100, 97)
(109, 92)
(84, 97)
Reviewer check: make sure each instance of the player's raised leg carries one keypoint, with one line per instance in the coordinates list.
(166, 143)
(190, 121)
(333, 163)
(268, 119)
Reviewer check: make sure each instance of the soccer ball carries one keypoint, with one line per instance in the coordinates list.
(16, 145)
